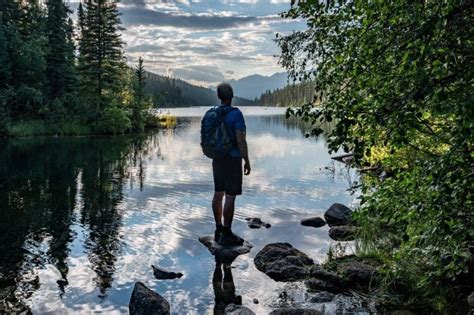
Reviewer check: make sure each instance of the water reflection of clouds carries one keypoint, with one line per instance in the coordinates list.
(160, 221)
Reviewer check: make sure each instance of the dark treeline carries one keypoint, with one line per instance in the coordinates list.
(291, 95)
(171, 92)
(61, 78)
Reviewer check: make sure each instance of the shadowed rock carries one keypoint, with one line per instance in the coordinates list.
(343, 232)
(295, 311)
(256, 223)
(283, 262)
(318, 272)
(314, 222)
(233, 309)
(358, 273)
(165, 275)
(322, 285)
(338, 214)
(322, 297)
(224, 252)
(147, 302)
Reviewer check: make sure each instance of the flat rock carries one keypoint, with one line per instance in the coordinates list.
(295, 311)
(314, 222)
(256, 223)
(343, 232)
(322, 297)
(315, 285)
(357, 272)
(165, 275)
(147, 302)
(283, 262)
(233, 309)
(338, 214)
(224, 252)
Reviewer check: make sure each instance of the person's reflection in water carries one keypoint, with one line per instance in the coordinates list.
(223, 284)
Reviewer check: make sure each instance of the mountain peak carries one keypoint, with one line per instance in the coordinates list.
(254, 85)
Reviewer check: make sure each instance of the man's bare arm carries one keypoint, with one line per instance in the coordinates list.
(244, 152)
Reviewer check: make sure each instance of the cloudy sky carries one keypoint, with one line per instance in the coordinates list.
(205, 41)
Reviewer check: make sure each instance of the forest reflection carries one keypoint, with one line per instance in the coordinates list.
(47, 186)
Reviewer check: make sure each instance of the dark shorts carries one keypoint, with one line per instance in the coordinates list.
(228, 175)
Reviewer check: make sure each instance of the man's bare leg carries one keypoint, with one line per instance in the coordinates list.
(217, 207)
(229, 208)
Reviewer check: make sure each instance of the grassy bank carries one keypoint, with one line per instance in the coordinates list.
(30, 128)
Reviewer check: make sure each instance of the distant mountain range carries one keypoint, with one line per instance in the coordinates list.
(254, 86)
(171, 92)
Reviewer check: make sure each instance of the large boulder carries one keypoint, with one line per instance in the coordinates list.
(320, 273)
(343, 232)
(147, 302)
(295, 311)
(314, 222)
(224, 253)
(357, 273)
(233, 309)
(283, 262)
(338, 214)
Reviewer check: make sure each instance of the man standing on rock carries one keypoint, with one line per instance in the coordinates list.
(223, 139)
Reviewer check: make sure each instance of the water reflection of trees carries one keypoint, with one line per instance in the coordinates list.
(296, 123)
(48, 185)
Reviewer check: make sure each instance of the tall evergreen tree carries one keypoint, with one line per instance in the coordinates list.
(58, 58)
(5, 70)
(101, 55)
(139, 96)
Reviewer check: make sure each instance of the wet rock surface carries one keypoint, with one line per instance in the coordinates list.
(314, 222)
(233, 309)
(338, 214)
(295, 311)
(322, 297)
(315, 285)
(283, 262)
(224, 252)
(165, 275)
(343, 232)
(147, 302)
(357, 273)
(256, 223)
(318, 272)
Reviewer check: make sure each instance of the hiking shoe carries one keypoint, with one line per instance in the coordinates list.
(218, 233)
(230, 239)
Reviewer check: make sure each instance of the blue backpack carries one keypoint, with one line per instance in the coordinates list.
(216, 142)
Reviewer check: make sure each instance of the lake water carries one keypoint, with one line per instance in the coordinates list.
(82, 219)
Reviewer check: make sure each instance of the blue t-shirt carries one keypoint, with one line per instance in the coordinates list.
(234, 121)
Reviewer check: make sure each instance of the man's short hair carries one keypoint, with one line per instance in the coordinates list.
(225, 92)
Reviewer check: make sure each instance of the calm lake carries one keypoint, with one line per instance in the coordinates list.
(82, 219)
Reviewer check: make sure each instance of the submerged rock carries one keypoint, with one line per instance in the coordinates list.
(322, 297)
(256, 223)
(147, 302)
(224, 252)
(358, 273)
(165, 275)
(233, 309)
(283, 262)
(295, 311)
(343, 232)
(338, 214)
(314, 222)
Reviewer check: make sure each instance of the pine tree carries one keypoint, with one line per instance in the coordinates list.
(101, 57)
(58, 58)
(139, 96)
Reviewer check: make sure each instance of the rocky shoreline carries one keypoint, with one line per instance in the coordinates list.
(342, 276)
